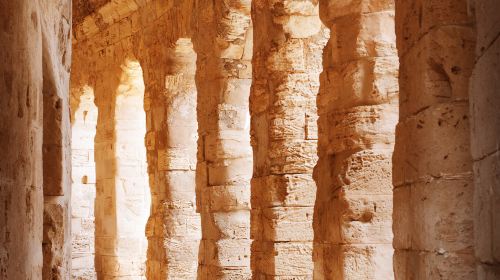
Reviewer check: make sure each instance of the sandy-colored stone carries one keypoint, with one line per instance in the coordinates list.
(485, 132)
(240, 139)
(358, 112)
(288, 42)
(432, 165)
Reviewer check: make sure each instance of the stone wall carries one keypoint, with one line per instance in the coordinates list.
(485, 132)
(432, 165)
(358, 109)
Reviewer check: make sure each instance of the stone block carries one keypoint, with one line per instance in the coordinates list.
(485, 124)
(358, 261)
(440, 215)
(231, 171)
(299, 26)
(283, 190)
(227, 252)
(287, 224)
(429, 265)
(363, 127)
(226, 225)
(337, 9)
(227, 198)
(444, 57)
(285, 259)
(292, 156)
(418, 18)
(428, 133)
(363, 36)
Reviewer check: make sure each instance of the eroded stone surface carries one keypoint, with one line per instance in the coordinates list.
(288, 43)
(223, 42)
(358, 111)
(170, 81)
(432, 166)
(35, 85)
(485, 135)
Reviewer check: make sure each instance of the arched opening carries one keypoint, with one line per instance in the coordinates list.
(83, 188)
(111, 197)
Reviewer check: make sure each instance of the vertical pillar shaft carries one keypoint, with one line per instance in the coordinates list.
(288, 43)
(223, 43)
(358, 110)
(174, 227)
(21, 195)
(485, 143)
(106, 222)
(56, 56)
(432, 166)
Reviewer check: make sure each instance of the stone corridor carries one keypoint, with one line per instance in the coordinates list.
(250, 139)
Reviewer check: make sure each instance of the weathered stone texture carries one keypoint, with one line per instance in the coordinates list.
(288, 43)
(167, 56)
(197, 125)
(56, 40)
(485, 133)
(108, 67)
(119, 175)
(432, 166)
(21, 120)
(104, 40)
(223, 42)
(34, 85)
(358, 109)
(174, 228)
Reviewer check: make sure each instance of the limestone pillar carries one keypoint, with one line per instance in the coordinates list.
(56, 56)
(224, 48)
(485, 141)
(174, 227)
(106, 228)
(288, 43)
(358, 109)
(21, 120)
(432, 166)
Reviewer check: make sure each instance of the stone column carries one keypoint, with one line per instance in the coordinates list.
(56, 56)
(485, 141)
(288, 43)
(432, 165)
(174, 227)
(224, 48)
(21, 122)
(358, 112)
(106, 224)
